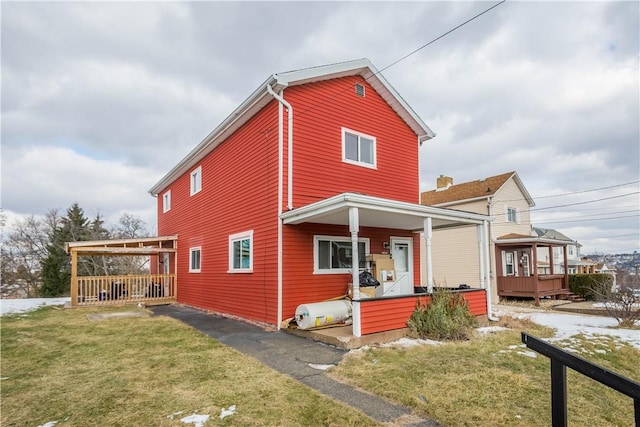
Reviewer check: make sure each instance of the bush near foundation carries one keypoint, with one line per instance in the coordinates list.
(589, 286)
(445, 317)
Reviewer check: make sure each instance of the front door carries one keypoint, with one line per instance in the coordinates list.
(402, 255)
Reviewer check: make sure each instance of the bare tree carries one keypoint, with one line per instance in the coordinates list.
(621, 303)
(23, 250)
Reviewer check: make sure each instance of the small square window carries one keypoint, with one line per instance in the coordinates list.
(241, 252)
(196, 180)
(166, 201)
(195, 258)
(358, 148)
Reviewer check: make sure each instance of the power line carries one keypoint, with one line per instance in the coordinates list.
(586, 216)
(332, 96)
(441, 36)
(586, 191)
(584, 203)
(590, 219)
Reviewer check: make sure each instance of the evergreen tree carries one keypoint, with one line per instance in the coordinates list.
(56, 267)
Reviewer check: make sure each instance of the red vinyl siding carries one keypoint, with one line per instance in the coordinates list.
(379, 315)
(239, 193)
(321, 110)
(300, 285)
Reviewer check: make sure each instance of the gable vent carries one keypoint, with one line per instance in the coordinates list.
(359, 90)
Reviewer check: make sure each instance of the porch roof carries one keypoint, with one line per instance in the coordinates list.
(513, 239)
(134, 246)
(380, 213)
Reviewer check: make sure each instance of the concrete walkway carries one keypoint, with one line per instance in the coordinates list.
(293, 356)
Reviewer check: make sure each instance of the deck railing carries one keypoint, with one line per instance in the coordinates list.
(560, 359)
(111, 290)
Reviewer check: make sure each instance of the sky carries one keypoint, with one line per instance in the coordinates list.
(101, 99)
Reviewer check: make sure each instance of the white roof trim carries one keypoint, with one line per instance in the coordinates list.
(260, 98)
(379, 212)
(532, 240)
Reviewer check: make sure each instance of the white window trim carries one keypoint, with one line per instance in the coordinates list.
(237, 237)
(196, 186)
(191, 251)
(166, 201)
(515, 214)
(359, 163)
(316, 258)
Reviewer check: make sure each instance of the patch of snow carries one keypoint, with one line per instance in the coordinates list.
(568, 325)
(531, 354)
(175, 414)
(604, 305)
(320, 367)
(513, 347)
(409, 342)
(227, 412)
(600, 351)
(491, 329)
(9, 306)
(196, 419)
(49, 424)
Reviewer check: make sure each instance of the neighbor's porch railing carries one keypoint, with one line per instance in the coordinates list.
(108, 290)
(560, 360)
(523, 286)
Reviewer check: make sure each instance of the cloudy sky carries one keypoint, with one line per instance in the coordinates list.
(100, 100)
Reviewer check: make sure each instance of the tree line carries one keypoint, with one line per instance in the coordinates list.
(34, 261)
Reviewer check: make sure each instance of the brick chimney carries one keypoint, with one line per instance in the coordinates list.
(444, 182)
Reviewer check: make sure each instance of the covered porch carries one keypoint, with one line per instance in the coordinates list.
(159, 286)
(382, 314)
(526, 267)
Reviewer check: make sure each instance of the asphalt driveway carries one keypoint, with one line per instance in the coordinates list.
(300, 358)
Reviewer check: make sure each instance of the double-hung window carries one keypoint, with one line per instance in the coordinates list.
(510, 263)
(334, 254)
(358, 148)
(166, 201)
(195, 258)
(196, 180)
(512, 215)
(241, 252)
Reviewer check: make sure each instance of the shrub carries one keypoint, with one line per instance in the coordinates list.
(589, 286)
(445, 317)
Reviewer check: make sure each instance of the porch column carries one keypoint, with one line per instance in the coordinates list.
(354, 228)
(428, 235)
(487, 271)
(481, 254)
(74, 278)
(566, 268)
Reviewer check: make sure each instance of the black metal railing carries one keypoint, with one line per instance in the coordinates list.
(560, 359)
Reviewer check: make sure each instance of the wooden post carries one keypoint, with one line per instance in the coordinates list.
(74, 278)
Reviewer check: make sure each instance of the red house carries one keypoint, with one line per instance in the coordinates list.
(317, 167)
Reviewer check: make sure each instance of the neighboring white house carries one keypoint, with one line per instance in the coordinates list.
(455, 251)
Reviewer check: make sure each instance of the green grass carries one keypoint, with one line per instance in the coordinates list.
(57, 365)
(486, 381)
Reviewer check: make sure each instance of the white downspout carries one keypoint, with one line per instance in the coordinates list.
(281, 100)
(485, 227)
(280, 197)
(428, 235)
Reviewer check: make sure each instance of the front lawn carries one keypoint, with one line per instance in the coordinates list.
(492, 380)
(147, 371)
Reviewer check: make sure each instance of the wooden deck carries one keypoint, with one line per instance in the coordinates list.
(115, 290)
(536, 287)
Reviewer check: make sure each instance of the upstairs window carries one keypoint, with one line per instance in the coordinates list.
(512, 215)
(334, 255)
(241, 252)
(358, 148)
(166, 201)
(196, 180)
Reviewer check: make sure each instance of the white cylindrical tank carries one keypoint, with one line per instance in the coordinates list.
(322, 313)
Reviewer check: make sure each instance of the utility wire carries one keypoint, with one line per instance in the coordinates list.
(441, 36)
(584, 203)
(587, 191)
(332, 96)
(589, 219)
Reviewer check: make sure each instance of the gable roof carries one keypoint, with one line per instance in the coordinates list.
(550, 233)
(473, 190)
(279, 81)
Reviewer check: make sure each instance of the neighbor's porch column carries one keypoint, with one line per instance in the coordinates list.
(354, 228)
(428, 235)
